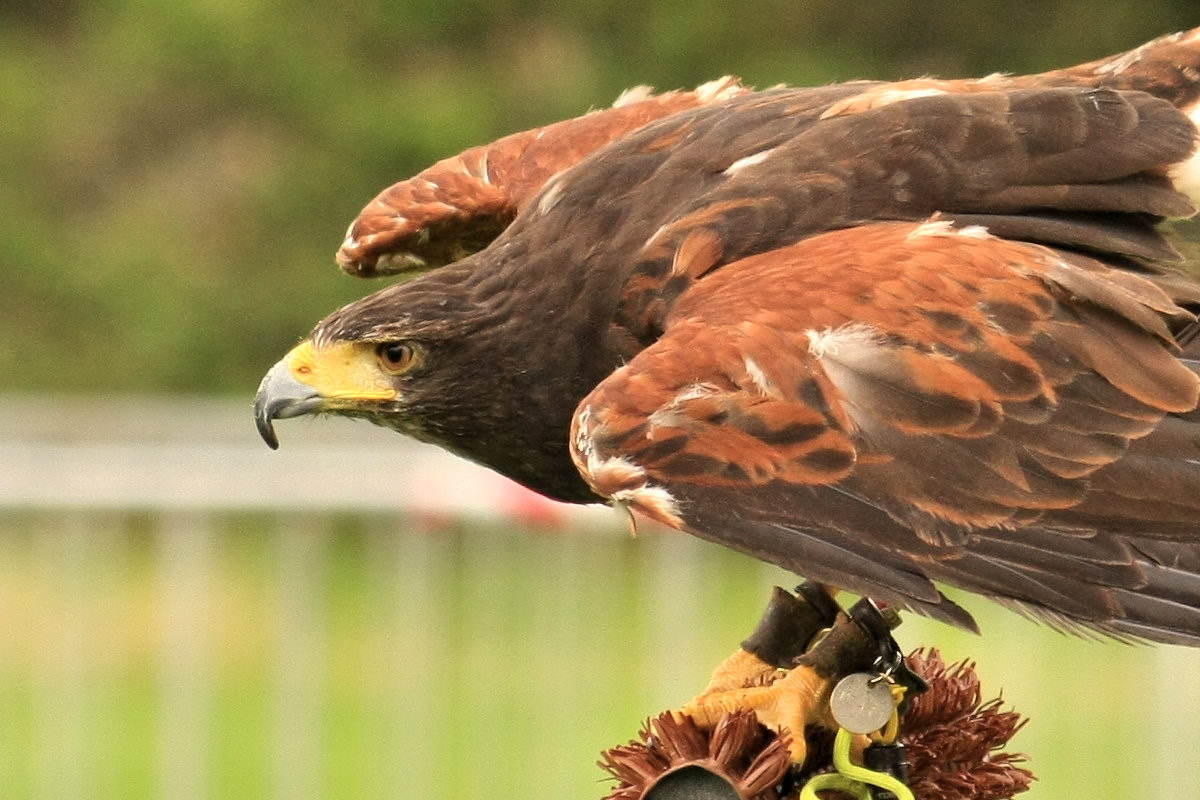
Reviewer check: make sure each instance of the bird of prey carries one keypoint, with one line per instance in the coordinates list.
(885, 335)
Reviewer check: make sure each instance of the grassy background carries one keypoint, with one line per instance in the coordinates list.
(249, 655)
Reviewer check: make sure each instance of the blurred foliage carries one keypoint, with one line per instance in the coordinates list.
(176, 175)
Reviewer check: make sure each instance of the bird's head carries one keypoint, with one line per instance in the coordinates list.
(401, 357)
(446, 362)
(367, 378)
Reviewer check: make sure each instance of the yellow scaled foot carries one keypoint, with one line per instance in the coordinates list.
(783, 701)
(787, 669)
(741, 670)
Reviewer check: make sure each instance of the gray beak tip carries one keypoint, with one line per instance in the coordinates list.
(266, 429)
(279, 396)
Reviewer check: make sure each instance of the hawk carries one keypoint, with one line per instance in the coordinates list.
(885, 335)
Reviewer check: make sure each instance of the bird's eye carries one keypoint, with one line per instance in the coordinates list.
(397, 357)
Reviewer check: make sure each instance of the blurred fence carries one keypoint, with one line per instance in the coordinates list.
(184, 614)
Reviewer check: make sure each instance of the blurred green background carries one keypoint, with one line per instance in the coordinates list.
(175, 176)
(174, 179)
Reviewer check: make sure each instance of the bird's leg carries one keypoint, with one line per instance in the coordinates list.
(783, 675)
(788, 626)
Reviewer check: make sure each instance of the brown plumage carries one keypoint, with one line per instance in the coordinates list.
(880, 334)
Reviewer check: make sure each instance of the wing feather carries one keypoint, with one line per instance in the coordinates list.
(911, 403)
(1059, 165)
(462, 203)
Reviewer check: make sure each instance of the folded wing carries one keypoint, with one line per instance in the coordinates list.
(896, 403)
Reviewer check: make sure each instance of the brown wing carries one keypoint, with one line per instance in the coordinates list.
(460, 204)
(888, 405)
(1166, 67)
(1065, 166)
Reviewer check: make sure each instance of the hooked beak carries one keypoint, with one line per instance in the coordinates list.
(337, 376)
(281, 396)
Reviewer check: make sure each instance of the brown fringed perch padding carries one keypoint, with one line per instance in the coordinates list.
(952, 738)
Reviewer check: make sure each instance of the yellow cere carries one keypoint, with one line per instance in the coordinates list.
(340, 371)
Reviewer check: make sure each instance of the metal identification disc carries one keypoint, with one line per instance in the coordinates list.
(862, 703)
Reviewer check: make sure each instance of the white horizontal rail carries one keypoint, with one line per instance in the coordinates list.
(157, 454)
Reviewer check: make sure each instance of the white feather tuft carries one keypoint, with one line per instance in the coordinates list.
(1186, 174)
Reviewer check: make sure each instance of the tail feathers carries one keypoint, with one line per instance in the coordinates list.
(1166, 610)
(1131, 630)
(1154, 594)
